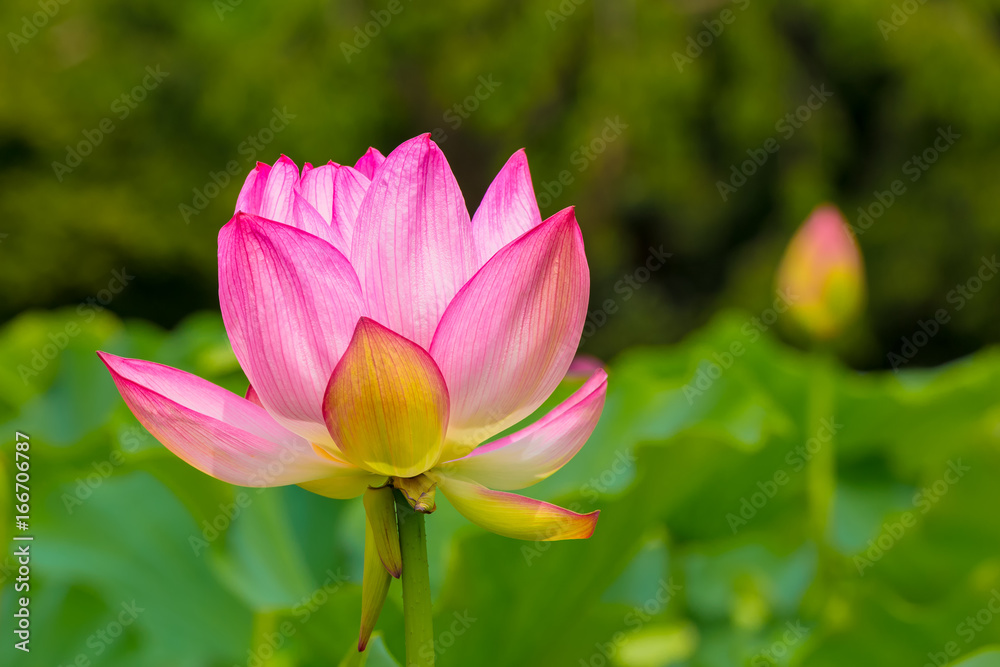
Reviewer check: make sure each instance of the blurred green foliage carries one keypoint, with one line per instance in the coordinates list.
(734, 528)
(564, 69)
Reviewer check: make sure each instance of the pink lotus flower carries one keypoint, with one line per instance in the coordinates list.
(386, 336)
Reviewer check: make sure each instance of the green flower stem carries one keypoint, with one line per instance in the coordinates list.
(417, 613)
(822, 473)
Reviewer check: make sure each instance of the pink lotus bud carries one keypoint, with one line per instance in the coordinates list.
(822, 274)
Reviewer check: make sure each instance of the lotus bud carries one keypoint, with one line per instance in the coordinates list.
(822, 274)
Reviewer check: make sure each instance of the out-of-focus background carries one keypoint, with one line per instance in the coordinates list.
(794, 507)
(646, 107)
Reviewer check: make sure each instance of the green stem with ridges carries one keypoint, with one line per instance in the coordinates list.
(417, 612)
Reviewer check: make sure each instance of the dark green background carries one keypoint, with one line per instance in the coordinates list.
(563, 69)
